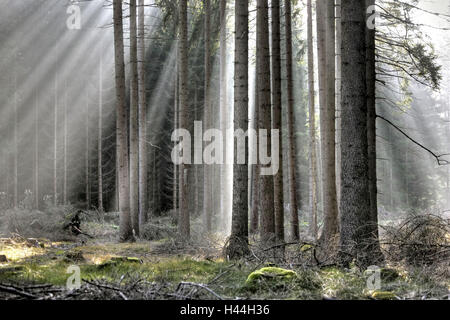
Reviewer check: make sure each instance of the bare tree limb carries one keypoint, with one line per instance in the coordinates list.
(438, 157)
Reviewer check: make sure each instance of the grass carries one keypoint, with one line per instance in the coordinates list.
(49, 265)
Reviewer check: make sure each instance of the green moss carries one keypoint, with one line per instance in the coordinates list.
(383, 295)
(306, 247)
(111, 261)
(270, 273)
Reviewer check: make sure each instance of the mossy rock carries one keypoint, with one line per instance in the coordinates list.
(383, 295)
(270, 273)
(306, 247)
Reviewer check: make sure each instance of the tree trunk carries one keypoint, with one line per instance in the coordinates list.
(224, 114)
(87, 158)
(238, 245)
(355, 203)
(125, 231)
(36, 151)
(266, 195)
(254, 217)
(142, 118)
(65, 145)
(16, 146)
(371, 132)
(327, 119)
(207, 114)
(134, 128)
(276, 121)
(100, 136)
(184, 220)
(338, 101)
(55, 145)
(176, 118)
(312, 126)
(292, 153)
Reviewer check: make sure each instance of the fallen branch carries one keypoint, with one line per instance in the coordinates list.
(199, 285)
(12, 290)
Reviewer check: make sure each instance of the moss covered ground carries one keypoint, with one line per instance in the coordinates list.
(46, 262)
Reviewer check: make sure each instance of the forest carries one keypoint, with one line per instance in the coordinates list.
(224, 150)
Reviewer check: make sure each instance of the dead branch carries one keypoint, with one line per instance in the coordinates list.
(438, 157)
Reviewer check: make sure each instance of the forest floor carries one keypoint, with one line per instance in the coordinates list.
(38, 268)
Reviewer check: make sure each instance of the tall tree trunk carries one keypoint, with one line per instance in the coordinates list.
(292, 153)
(176, 119)
(355, 203)
(327, 120)
(125, 231)
(371, 132)
(184, 220)
(16, 145)
(100, 136)
(224, 115)
(65, 145)
(266, 195)
(207, 114)
(312, 125)
(36, 151)
(87, 162)
(276, 121)
(338, 101)
(195, 168)
(142, 118)
(254, 217)
(238, 245)
(55, 145)
(134, 127)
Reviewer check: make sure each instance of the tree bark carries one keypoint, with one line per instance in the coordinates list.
(36, 151)
(276, 121)
(134, 127)
(225, 200)
(292, 153)
(125, 231)
(184, 220)
(254, 216)
(371, 132)
(176, 118)
(327, 119)
(142, 118)
(100, 136)
(238, 245)
(355, 202)
(87, 161)
(65, 145)
(266, 195)
(207, 114)
(312, 126)
(338, 101)
(55, 144)
(16, 145)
